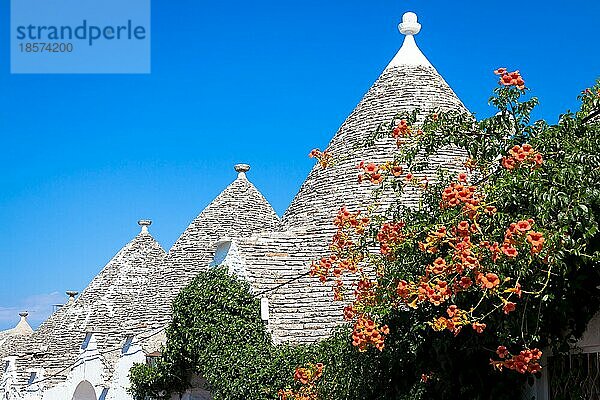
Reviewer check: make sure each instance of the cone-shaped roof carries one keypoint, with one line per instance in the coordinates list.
(21, 329)
(107, 306)
(407, 83)
(239, 211)
(112, 294)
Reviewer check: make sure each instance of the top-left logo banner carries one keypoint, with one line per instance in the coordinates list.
(80, 36)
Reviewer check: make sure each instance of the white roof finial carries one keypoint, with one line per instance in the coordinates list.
(409, 24)
(71, 294)
(144, 223)
(241, 169)
(409, 53)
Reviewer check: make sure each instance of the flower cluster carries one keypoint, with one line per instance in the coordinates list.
(526, 361)
(402, 129)
(376, 174)
(455, 321)
(517, 234)
(344, 249)
(522, 156)
(324, 158)
(436, 292)
(307, 377)
(433, 239)
(366, 332)
(365, 292)
(460, 193)
(322, 267)
(487, 281)
(371, 172)
(389, 236)
(308, 374)
(510, 78)
(346, 219)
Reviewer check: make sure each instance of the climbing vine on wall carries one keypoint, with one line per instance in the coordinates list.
(456, 298)
(506, 249)
(217, 333)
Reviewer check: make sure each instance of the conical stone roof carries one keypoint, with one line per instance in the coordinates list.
(21, 329)
(239, 211)
(409, 82)
(106, 308)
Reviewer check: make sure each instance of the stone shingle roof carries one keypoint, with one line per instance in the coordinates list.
(21, 329)
(239, 211)
(400, 88)
(105, 307)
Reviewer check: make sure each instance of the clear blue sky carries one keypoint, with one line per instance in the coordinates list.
(83, 157)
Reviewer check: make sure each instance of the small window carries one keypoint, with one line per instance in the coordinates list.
(221, 252)
(32, 377)
(86, 341)
(127, 344)
(103, 394)
(6, 365)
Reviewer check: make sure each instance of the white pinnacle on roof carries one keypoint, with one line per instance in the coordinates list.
(409, 53)
(409, 82)
(144, 223)
(71, 294)
(241, 169)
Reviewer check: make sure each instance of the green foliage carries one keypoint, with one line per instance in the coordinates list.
(563, 196)
(217, 333)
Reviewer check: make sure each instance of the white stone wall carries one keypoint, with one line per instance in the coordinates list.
(90, 368)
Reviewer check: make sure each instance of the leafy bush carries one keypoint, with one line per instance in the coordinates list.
(537, 288)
